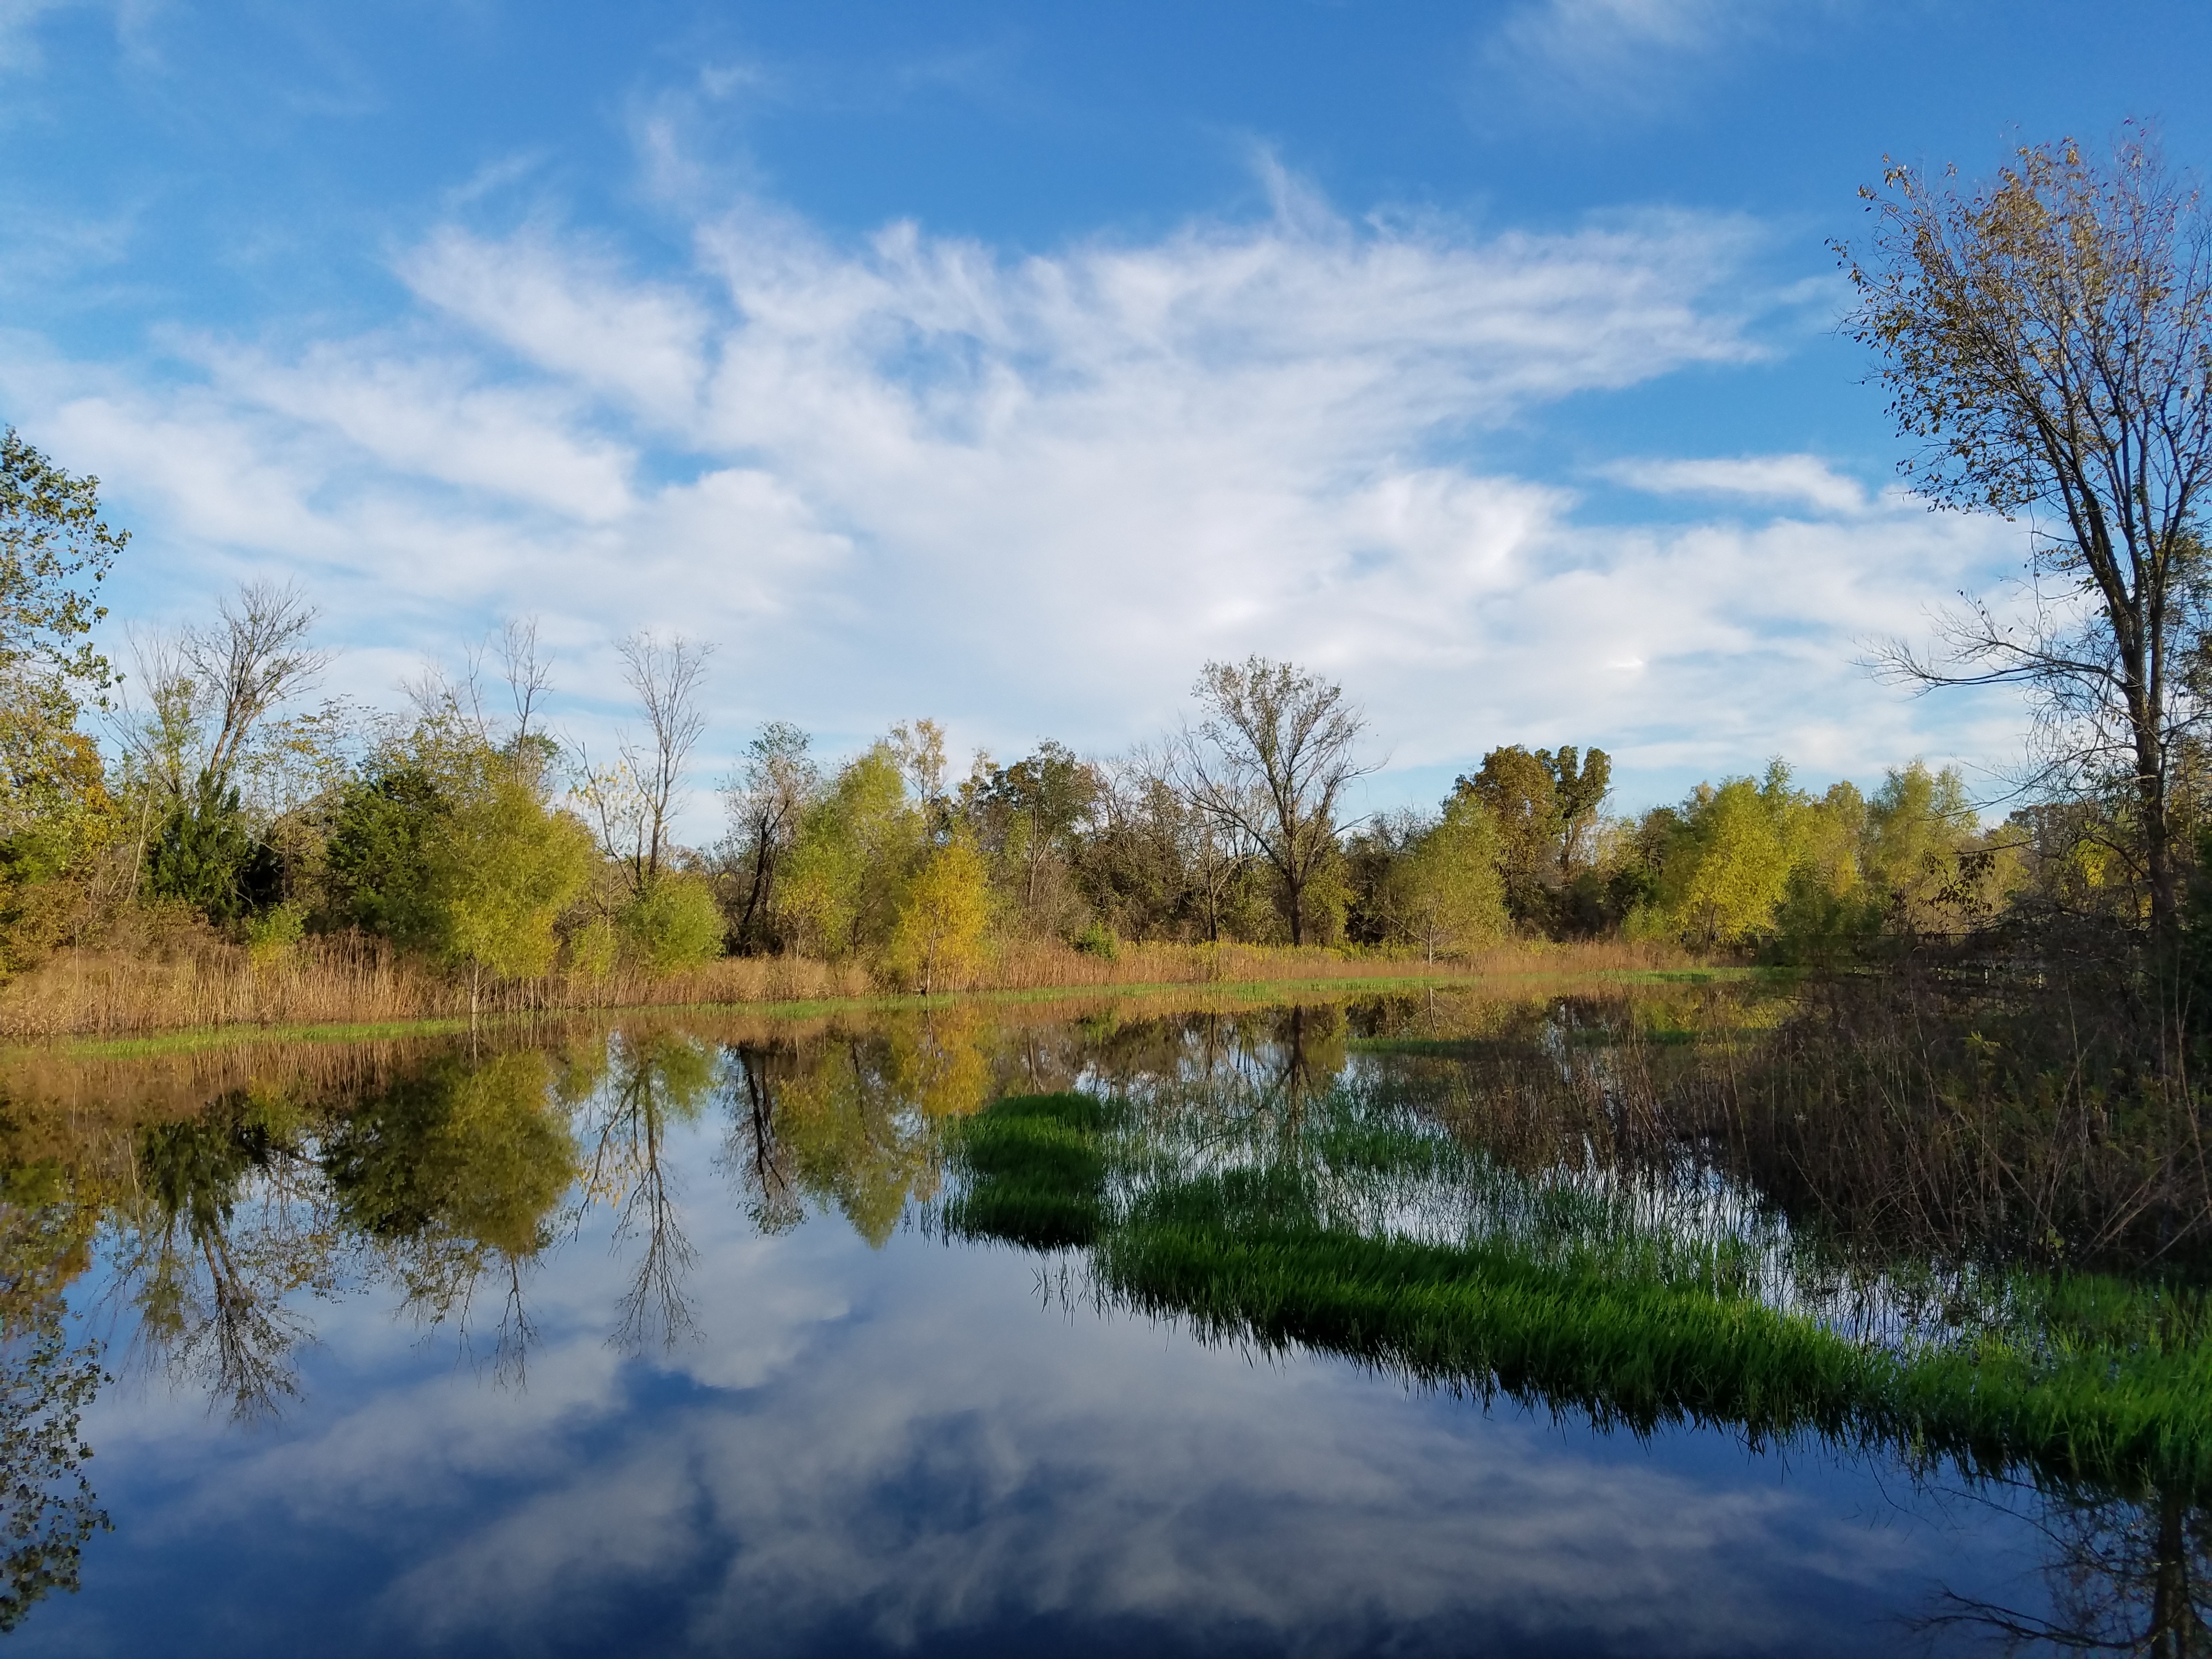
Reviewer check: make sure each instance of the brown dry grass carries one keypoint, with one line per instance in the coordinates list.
(194, 979)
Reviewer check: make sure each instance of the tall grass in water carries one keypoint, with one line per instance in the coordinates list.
(2086, 1380)
(2056, 1114)
(187, 977)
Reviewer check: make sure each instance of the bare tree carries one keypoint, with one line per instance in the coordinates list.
(198, 724)
(254, 659)
(529, 674)
(633, 803)
(207, 688)
(2049, 341)
(1268, 765)
(920, 746)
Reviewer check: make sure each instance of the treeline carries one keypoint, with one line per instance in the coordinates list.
(462, 831)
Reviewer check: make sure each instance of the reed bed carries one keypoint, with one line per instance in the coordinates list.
(2055, 1116)
(194, 979)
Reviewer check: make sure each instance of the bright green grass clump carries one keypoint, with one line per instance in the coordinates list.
(1038, 1172)
(2094, 1380)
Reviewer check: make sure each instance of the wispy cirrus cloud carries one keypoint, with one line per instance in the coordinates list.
(21, 51)
(1638, 51)
(1806, 480)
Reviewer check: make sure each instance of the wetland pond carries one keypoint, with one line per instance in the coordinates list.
(1352, 1326)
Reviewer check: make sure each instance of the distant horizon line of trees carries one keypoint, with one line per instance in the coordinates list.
(462, 830)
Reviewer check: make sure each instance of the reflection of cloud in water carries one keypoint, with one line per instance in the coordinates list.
(923, 1476)
(899, 1445)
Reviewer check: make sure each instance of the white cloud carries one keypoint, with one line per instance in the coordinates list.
(1805, 479)
(1635, 51)
(435, 419)
(569, 312)
(1031, 495)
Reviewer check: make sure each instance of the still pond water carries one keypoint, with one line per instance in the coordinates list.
(675, 1338)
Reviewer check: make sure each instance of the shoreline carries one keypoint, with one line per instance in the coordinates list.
(1262, 992)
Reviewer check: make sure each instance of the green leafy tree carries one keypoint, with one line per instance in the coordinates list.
(377, 858)
(1830, 909)
(1545, 804)
(1519, 791)
(766, 801)
(676, 923)
(855, 848)
(1580, 785)
(55, 550)
(1029, 817)
(1730, 866)
(943, 918)
(499, 873)
(1448, 891)
(55, 814)
(56, 817)
(1926, 858)
(207, 855)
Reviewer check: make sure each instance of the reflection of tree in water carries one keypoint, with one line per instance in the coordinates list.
(456, 1173)
(447, 1175)
(1221, 1077)
(854, 1120)
(210, 1290)
(2123, 1576)
(47, 1507)
(449, 1183)
(46, 1503)
(755, 1153)
(653, 1081)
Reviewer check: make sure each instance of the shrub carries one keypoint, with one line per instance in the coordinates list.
(675, 923)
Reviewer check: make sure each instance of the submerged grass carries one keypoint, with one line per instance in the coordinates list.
(2086, 1379)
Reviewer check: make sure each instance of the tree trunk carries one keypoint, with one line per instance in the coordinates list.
(2158, 840)
(760, 858)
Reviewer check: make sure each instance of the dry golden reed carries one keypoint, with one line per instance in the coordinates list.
(195, 979)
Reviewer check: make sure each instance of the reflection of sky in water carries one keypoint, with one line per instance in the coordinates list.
(907, 1449)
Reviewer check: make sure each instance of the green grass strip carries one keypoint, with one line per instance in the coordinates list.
(1245, 1254)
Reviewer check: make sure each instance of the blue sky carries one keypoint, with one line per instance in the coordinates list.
(1005, 363)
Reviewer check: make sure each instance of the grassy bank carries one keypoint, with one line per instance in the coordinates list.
(2094, 1380)
(196, 982)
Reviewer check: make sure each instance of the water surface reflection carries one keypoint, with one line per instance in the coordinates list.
(652, 1340)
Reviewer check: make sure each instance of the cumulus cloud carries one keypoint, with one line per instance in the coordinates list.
(1032, 494)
